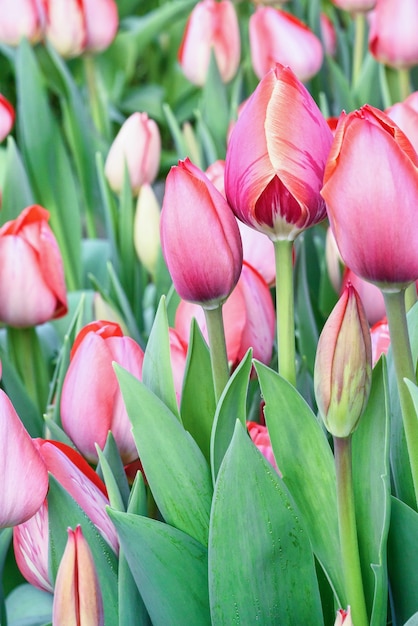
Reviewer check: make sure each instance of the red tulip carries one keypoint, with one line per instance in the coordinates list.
(371, 191)
(211, 27)
(393, 34)
(380, 339)
(276, 158)
(20, 19)
(200, 238)
(7, 117)
(91, 401)
(74, 27)
(248, 315)
(77, 598)
(137, 146)
(261, 438)
(23, 473)
(278, 37)
(32, 287)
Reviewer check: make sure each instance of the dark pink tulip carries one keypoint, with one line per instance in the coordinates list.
(211, 27)
(393, 33)
(24, 477)
(276, 158)
(380, 339)
(20, 19)
(200, 238)
(32, 286)
(7, 117)
(278, 37)
(91, 401)
(371, 191)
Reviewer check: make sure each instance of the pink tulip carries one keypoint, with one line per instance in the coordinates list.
(355, 6)
(248, 315)
(393, 34)
(178, 354)
(212, 26)
(91, 401)
(200, 238)
(137, 146)
(380, 339)
(20, 19)
(406, 117)
(278, 37)
(31, 539)
(74, 27)
(276, 158)
(371, 191)
(370, 295)
(77, 598)
(261, 438)
(328, 34)
(7, 117)
(23, 473)
(32, 286)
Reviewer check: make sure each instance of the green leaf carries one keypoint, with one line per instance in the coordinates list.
(232, 406)
(305, 459)
(16, 192)
(169, 567)
(261, 566)
(174, 465)
(197, 417)
(64, 512)
(214, 108)
(371, 478)
(403, 561)
(28, 606)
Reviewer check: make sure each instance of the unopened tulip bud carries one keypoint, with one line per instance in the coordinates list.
(77, 598)
(20, 19)
(343, 365)
(343, 617)
(147, 228)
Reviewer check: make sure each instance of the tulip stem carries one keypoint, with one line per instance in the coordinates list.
(285, 310)
(404, 368)
(358, 51)
(404, 83)
(96, 107)
(348, 531)
(217, 346)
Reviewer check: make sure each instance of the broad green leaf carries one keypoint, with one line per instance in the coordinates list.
(197, 417)
(173, 463)
(371, 478)
(261, 566)
(169, 567)
(28, 606)
(116, 468)
(214, 107)
(157, 373)
(16, 192)
(232, 406)
(306, 462)
(64, 512)
(403, 561)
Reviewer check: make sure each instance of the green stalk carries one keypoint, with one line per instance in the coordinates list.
(404, 83)
(348, 531)
(96, 108)
(410, 296)
(285, 310)
(358, 50)
(404, 368)
(217, 346)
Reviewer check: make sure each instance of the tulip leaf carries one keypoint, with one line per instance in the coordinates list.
(174, 466)
(16, 191)
(28, 606)
(270, 574)
(197, 417)
(371, 480)
(157, 373)
(64, 512)
(214, 109)
(232, 406)
(169, 567)
(403, 561)
(305, 459)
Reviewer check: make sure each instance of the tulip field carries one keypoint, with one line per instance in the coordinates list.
(208, 313)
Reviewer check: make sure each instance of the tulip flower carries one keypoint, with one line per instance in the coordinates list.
(74, 27)
(355, 6)
(200, 238)
(32, 287)
(77, 598)
(7, 117)
(137, 147)
(342, 372)
(343, 618)
(278, 37)
(380, 339)
(276, 158)
(371, 191)
(178, 356)
(23, 472)
(328, 34)
(91, 401)
(147, 228)
(31, 539)
(392, 33)
(212, 26)
(261, 438)
(406, 117)
(20, 19)
(370, 296)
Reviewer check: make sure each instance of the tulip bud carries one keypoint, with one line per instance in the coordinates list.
(7, 117)
(343, 364)
(77, 597)
(147, 228)
(19, 19)
(392, 33)
(137, 147)
(343, 618)
(261, 438)
(211, 26)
